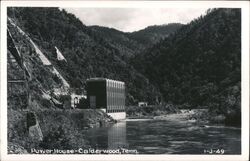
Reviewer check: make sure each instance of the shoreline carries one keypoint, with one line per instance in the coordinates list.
(198, 116)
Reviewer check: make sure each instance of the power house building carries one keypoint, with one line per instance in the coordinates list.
(108, 95)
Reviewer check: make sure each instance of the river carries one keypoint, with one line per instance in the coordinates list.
(171, 135)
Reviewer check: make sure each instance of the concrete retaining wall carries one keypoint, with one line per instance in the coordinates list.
(118, 115)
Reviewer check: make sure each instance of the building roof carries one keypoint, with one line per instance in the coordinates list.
(103, 79)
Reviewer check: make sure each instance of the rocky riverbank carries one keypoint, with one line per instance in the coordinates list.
(149, 112)
(60, 129)
(194, 115)
(199, 116)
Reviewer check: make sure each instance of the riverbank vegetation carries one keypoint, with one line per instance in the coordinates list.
(60, 129)
(149, 111)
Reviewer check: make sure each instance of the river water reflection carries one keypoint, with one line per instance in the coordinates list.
(166, 137)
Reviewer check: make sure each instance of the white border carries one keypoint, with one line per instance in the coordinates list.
(244, 5)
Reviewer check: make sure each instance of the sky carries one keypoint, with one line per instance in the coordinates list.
(134, 19)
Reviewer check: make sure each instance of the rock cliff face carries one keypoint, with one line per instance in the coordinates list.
(43, 76)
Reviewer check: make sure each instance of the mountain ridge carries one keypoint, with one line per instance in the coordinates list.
(196, 65)
(94, 55)
(199, 65)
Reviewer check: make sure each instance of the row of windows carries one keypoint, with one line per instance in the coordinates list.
(115, 107)
(113, 94)
(116, 101)
(115, 110)
(115, 90)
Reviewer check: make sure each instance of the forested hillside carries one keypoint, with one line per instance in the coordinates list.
(200, 65)
(154, 34)
(119, 40)
(136, 42)
(87, 50)
(193, 65)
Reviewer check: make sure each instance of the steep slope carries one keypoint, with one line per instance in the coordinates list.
(42, 77)
(87, 53)
(201, 64)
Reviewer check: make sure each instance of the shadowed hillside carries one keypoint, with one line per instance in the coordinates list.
(193, 65)
(200, 65)
(88, 51)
